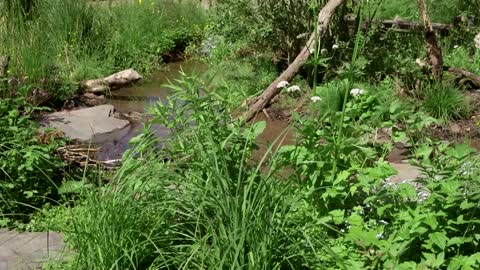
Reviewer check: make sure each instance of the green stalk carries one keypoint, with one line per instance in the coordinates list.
(356, 49)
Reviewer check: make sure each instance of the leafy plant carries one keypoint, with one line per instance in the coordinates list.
(29, 170)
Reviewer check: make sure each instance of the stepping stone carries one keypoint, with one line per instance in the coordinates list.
(22, 251)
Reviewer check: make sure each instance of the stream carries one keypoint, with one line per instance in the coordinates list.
(136, 99)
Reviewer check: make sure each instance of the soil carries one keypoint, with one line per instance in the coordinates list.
(463, 130)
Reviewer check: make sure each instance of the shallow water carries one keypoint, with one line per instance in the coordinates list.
(136, 99)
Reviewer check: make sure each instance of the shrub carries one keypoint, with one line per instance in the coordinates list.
(29, 171)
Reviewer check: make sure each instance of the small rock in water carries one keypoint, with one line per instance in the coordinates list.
(117, 80)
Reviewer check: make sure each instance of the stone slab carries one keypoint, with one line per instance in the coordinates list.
(85, 123)
(22, 251)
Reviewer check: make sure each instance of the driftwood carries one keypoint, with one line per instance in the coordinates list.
(462, 73)
(401, 24)
(4, 60)
(84, 155)
(434, 51)
(322, 25)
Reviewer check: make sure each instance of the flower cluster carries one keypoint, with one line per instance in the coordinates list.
(315, 99)
(477, 41)
(282, 84)
(357, 92)
(293, 88)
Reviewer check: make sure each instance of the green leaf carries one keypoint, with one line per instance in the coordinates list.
(460, 151)
(71, 187)
(439, 239)
(337, 216)
(257, 129)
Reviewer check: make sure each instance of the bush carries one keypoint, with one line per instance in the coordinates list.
(29, 171)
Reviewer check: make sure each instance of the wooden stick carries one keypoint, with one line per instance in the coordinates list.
(324, 18)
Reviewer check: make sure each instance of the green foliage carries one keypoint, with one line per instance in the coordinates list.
(29, 171)
(73, 40)
(272, 25)
(206, 209)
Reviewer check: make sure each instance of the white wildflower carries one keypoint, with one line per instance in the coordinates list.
(323, 51)
(420, 63)
(315, 99)
(456, 47)
(282, 84)
(356, 92)
(293, 88)
(335, 46)
(477, 41)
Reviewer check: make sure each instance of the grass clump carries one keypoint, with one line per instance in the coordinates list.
(445, 102)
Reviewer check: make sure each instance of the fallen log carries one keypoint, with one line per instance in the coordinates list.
(400, 24)
(322, 25)
(462, 73)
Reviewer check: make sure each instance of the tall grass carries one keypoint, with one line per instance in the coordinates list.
(72, 40)
(210, 209)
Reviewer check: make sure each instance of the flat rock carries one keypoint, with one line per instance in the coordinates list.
(83, 124)
(405, 173)
(22, 251)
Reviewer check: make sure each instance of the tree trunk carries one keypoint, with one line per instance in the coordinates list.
(324, 18)
(434, 50)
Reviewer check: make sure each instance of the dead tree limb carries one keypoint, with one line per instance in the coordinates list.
(322, 25)
(400, 24)
(462, 73)
(434, 50)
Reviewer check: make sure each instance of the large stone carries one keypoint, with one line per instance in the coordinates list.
(117, 80)
(83, 124)
(22, 251)
(122, 78)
